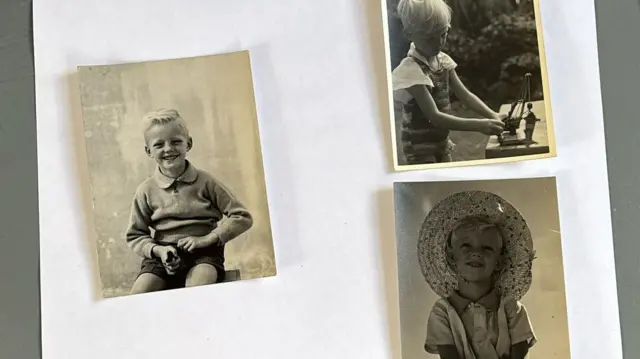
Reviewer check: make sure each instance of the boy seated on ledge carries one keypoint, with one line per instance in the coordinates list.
(174, 223)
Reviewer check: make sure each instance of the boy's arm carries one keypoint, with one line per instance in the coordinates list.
(448, 352)
(138, 234)
(520, 350)
(449, 122)
(520, 329)
(469, 99)
(238, 220)
(440, 339)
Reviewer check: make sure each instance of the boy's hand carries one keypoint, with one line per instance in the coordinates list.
(500, 116)
(491, 126)
(190, 244)
(169, 257)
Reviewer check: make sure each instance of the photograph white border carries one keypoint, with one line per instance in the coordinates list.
(545, 89)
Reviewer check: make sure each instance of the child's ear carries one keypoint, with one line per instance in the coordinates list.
(406, 34)
(451, 261)
(190, 144)
(147, 151)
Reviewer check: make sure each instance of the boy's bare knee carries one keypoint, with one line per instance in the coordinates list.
(147, 282)
(201, 274)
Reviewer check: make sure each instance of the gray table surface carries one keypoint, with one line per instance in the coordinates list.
(19, 250)
(618, 29)
(619, 48)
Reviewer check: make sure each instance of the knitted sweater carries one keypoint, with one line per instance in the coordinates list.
(165, 210)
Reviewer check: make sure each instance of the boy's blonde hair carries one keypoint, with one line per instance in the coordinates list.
(164, 116)
(424, 16)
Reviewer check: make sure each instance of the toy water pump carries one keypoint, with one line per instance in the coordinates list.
(516, 115)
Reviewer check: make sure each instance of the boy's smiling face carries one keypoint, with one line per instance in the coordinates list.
(168, 145)
(476, 248)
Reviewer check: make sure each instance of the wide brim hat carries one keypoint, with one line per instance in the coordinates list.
(514, 277)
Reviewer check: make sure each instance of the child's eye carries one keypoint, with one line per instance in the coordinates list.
(176, 142)
(157, 145)
(488, 249)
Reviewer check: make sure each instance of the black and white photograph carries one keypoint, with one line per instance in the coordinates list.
(467, 83)
(176, 174)
(480, 270)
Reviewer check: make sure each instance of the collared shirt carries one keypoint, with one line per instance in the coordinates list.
(166, 209)
(485, 329)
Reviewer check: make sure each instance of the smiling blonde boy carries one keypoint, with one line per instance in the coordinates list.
(177, 222)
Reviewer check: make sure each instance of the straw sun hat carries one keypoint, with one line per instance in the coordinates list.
(514, 278)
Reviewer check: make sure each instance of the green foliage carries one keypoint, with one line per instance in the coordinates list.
(494, 53)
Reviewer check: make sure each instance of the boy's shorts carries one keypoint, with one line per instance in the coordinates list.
(213, 255)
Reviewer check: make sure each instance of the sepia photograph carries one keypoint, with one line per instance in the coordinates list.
(480, 270)
(467, 83)
(176, 174)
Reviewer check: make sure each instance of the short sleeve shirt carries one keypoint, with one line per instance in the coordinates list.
(420, 138)
(481, 330)
(415, 69)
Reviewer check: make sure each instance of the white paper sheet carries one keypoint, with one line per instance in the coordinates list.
(318, 69)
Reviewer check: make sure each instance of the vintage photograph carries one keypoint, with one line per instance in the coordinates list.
(480, 270)
(176, 174)
(467, 83)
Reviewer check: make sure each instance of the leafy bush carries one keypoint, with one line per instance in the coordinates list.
(495, 52)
